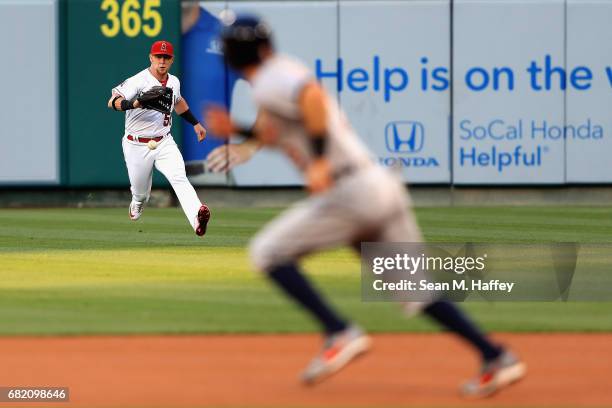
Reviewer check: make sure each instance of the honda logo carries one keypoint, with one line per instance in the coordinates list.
(404, 136)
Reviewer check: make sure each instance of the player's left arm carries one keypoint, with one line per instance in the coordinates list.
(182, 109)
(313, 107)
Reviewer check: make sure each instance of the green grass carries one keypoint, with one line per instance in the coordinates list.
(86, 271)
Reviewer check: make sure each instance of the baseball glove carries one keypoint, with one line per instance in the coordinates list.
(158, 98)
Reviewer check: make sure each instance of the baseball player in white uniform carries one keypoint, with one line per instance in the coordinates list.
(353, 199)
(148, 99)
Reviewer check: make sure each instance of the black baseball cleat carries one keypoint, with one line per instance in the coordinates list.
(202, 220)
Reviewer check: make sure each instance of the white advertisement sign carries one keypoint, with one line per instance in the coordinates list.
(397, 98)
(29, 135)
(589, 105)
(394, 82)
(508, 112)
(518, 93)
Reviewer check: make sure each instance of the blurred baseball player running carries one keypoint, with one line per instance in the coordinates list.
(148, 99)
(353, 199)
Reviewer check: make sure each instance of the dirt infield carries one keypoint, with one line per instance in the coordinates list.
(261, 371)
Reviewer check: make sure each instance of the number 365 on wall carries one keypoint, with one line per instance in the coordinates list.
(127, 17)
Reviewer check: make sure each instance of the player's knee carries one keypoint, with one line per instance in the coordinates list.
(178, 178)
(262, 254)
(411, 309)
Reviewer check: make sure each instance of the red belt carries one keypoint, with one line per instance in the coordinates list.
(144, 139)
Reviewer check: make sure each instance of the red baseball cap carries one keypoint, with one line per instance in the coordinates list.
(162, 48)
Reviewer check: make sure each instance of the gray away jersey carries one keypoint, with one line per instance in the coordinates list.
(276, 89)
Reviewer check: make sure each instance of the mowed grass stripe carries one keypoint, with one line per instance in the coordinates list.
(538, 224)
(92, 271)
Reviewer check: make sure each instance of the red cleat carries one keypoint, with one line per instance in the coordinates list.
(202, 220)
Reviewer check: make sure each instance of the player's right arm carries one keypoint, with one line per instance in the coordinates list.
(124, 95)
(116, 103)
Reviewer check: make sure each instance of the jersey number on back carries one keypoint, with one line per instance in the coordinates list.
(166, 120)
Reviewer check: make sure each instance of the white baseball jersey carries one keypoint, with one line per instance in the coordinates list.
(276, 89)
(147, 122)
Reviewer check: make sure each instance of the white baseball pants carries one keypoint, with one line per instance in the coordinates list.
(167, 158)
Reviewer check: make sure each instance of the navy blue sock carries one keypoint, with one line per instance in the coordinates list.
(449, 316)
(294, 283)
